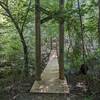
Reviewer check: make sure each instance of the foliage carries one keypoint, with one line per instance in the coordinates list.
(11, 45)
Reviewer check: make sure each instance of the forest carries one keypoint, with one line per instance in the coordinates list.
(33, 31)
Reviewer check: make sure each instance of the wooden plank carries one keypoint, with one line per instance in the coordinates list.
(50, 82)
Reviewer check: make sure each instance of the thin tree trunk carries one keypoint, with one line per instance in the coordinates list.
(99, 23)
(38, 40)
(81, 26)
(61, 42)
(26, 68)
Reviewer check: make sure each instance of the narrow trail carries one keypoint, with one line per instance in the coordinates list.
(50, 82)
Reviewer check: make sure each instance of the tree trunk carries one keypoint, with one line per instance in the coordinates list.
(81, 31)
(38, 40)
(99, 23)
(61, 42)
(25, 49)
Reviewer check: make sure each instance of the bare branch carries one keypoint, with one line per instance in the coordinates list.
(25, 17)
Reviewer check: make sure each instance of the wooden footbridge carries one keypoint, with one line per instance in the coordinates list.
(50, 82)
(53, 80)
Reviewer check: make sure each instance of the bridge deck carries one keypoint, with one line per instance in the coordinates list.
(50, 82)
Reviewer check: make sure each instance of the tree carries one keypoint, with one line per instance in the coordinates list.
(81, 30)
(20, 31)
(99, 22)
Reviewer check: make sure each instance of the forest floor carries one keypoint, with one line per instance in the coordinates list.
(20, 90)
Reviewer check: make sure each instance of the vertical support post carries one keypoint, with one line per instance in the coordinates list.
(61, 41)
(38, 39)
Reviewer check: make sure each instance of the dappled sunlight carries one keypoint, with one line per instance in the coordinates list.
(43, 88)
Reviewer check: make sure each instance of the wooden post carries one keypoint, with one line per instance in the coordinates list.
(38, 39)
(61, 42)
